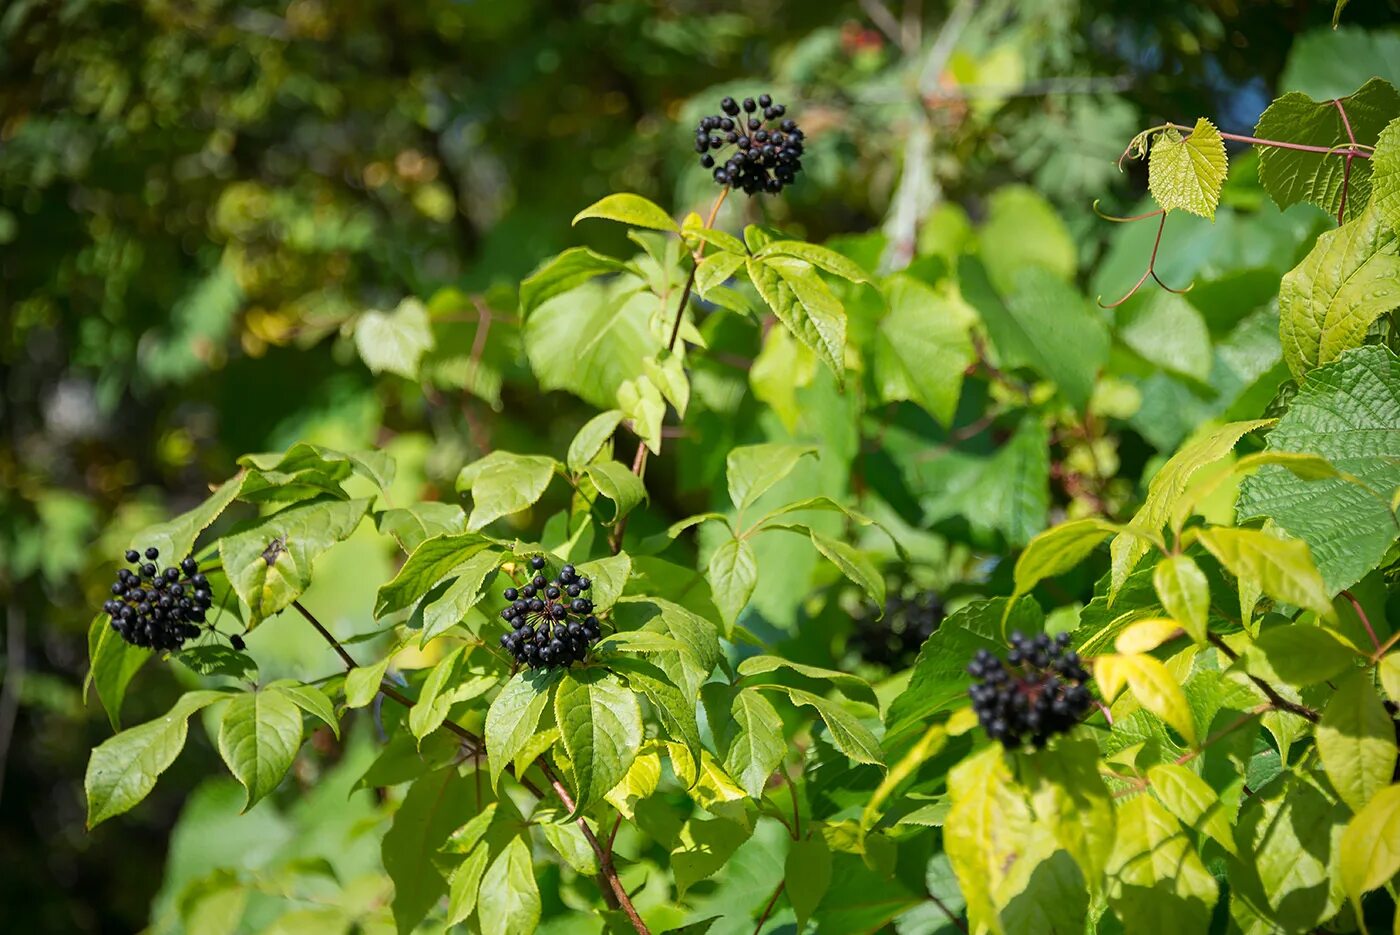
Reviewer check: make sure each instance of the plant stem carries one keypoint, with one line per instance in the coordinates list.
(772, 901)
(608, 872)
(1274, 697)
(1355, 149)
(1142, 783)
(1365, 621)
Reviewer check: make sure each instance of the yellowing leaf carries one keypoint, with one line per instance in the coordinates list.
(1187, 173)
(1280, 568)
(1370, 846)
(1151, 684)
(1143, 636)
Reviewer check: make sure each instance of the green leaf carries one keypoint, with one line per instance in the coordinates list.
(1166, 491)
(1062, 336)
(449, 682)
(705, 846)
(461, 596)
(940, 680)
(123, 769)
(568, 840)
(1056, 551)
(592, 340)
(1291, 176)
(509, 901)
(847, 733)
(514, 715)
(1290, 830)
(782, 367)
(1298, 654)
(316, 464)
(1011, 491)
(1370, 846)
(429, 563)
(633, 210)
(1070, 796)
(805, 306)
(1280, 568)
(1328, 301)
(591, 438)
(609, 578)
(852, 686)
(310, 699)
(215, 659)
(673, 708)
(1157, 883)
(1389, 672)
(644, 409)
(270, 564)
(1193, 802)
(733, 575)
(1022, 230)
(1185, 594)
(1385, 179)
(823, 258)
(927, 747)
(113, 664)
(559, 274)
(259, 736)
(1349, 413)
(394, 342)
(923, 347)
(175, 538)
(717, 269)
(1188, 173)
(641, 782)
(1356, 741)
(1165, 329)
(600, 724)
(752, 469)
(465, 883)
(853, 563)
(362, 683)
(695, 232)
(808, 875)
(503, 483)
(757, 745)
(436, 804)
(619, 485)
(412, 526)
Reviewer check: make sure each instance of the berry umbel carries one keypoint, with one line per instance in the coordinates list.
(552, 624)
(764, 149)
(1036, 693)
(155, 608)
(893, 640)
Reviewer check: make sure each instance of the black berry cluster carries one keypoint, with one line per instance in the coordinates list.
(894, 639)
(553, 622)
(767, 149)
(155, 608)
(1037, 692)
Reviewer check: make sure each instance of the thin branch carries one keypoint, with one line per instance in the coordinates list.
(1355, 149)
(1150, 271)
(1365, 620)
(772, 901)
(609, 873)
(1274, 697)
(952, 916)
(1142, 782)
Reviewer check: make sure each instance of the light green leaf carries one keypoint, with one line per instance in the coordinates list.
(1328, 301)
(259, 736)
(752, 469)
(1023, 229)
(1188, 173)
(509, 900)
(619, 485)
(1193, 802)
(783, 366)
(1056, 551)
(733, 575)
(592, 340)
(642, 780)
(1151, 684)
(852, 686)
(591, 438)
(805, 306)
(1298, 654)
(608, 577)
(514, 715)
(1370, 846)
(394, 342)
(1070, 796)
(1291, 830)
(1280, 568)
(437, 803)
(823, 258)
(270, 564)
(1356, 741)
(695, 232)
(559, 274)
(808, 875)
(630, 209)
(1185, 594)
(924, 749)
(1389, 671)
(600, 724)
(304, 460)
(667, 373)
(411, 526)
(923, 347)
(716, 269)
(644, 409)
(757, 745)
(1167, 330)
(310, 699)
(1157, 882)
(1385, 166)
(705, 846)
(1349, 413)
(847, 733)
(854, 564)
(461, 596)
(465, 883)
(1166, 490)
(362, 682)
(1291, 176)
(568, 840)
(123, 769)
(503, 483)
(449, 682)
(175, 538)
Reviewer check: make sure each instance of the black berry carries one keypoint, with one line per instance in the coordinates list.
(537, 562)
(757, 166)
(543, 634)
(1039, 691)
(158, 615)
(153, 553)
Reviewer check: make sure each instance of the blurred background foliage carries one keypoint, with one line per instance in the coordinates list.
(200, 199)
